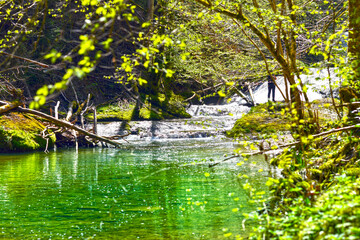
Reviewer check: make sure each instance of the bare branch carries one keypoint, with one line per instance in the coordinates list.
(26, 59)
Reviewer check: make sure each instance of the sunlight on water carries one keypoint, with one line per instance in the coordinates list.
(153, 192)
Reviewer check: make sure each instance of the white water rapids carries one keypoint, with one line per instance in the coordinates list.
(209, 121)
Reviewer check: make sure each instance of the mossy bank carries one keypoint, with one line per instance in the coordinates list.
(265, 118)
(123, 110)
(22, 133)
(269, 118)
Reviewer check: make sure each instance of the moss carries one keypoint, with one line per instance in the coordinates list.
(271, 117)
(174, 106)
(263, 118)
(124, 111)
(353, 172)
(112, 112)
(20, 133)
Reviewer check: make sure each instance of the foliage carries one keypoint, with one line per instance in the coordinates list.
(213, 55)
(278, 28)
(334, 215)
(310, 200)
(204, 45)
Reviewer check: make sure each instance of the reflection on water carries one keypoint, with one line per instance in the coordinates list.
(153, 192)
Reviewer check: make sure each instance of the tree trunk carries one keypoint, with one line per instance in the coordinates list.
(150, 14)
(354, 39)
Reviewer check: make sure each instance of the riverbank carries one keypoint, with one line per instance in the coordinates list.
(22, 133)
(317, 195)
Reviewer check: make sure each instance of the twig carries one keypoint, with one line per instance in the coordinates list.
(57, 110)
(348, 104)
(26, 59)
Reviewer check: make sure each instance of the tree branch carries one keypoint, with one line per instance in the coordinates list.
(287, 145)
(26, 59)
(8, 106)
(66, 124)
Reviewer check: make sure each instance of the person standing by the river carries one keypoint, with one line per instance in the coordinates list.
(271, 87)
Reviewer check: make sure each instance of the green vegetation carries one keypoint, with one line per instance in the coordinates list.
(315, 196)
(270, 117)
(262, 119)
(318, 192)
(124, 110)
(155, 54)
(334, 215)
(20, 133)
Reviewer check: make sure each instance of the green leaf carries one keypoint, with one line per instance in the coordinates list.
(68, 74)
(44, 91)
(142, 81)
(53, 55)
(107, 43)
(221, 93)
(169, 73)
(146, 25)
(34, 105)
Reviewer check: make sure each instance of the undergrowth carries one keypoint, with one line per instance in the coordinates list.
(317, 194)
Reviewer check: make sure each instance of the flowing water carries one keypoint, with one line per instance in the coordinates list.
(155, 190)
(158, 186)
(316, 81)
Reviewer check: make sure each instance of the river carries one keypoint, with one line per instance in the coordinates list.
(157, 190)
(157, 186)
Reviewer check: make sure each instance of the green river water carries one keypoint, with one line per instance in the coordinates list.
(161, 190)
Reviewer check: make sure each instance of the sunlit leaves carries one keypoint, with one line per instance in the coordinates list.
(107, 43)
(43, 91)
(221, 93)
(89, 2)
(146, 25)
(68, 74)
(142, 81)
(169, 73)
(40, 97)
(53, 55)
(86, 45)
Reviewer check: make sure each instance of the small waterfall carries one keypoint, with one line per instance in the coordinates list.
(207, 121)
(316, 82)
(212, 120)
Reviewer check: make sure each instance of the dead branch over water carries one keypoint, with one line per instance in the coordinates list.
(58, 122)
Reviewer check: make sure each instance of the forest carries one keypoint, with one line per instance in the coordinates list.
(69, 66)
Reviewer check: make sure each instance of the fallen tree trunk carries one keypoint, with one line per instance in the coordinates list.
(68, 125)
